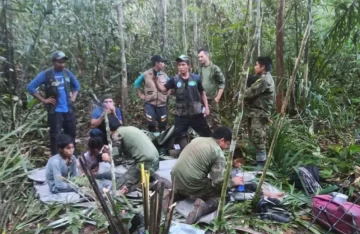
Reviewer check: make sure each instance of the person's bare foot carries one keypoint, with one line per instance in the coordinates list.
(277, 195)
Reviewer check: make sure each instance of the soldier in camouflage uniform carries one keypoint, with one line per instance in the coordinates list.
(213, 82)
(134, 144)
(260, 99)
(201, 157)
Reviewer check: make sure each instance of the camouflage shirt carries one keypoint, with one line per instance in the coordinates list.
(133, 143)
(201, 157)
(212, 79)
(260, 96)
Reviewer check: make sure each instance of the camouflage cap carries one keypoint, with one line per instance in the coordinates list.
(183, 58)
(57, 55)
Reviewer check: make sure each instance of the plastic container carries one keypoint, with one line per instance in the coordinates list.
(340, 197)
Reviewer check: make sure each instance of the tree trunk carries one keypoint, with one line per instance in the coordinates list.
(281, 118)
(240, 104)
(196, 36)
(183, 25)
(124, 88)
(280, 55)
(306, 60)
(9, 65)
(162, 23)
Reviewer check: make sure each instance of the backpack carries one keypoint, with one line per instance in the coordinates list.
(342, 218)
(306, 178)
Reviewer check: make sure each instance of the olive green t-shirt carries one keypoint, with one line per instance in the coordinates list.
(212, 79)
(208, 82)
(201, 157)
(135, 144)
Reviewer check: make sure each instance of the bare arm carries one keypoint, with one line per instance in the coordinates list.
(140, 94)
(160, 87)
(219, 94)
(43, 100)
(205, 102)
(96, 122)
(74, 95)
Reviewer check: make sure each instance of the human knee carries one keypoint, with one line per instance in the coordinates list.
(95, 132)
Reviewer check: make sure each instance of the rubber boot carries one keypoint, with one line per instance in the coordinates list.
(202, 208)
(260, 165)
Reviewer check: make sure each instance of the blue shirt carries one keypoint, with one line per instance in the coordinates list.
(56, 168)
(61, 104)
(99, 110)
(140, 79)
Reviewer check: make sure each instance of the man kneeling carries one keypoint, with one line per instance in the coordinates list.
(203, 156)
(61, 165)
(134, 144)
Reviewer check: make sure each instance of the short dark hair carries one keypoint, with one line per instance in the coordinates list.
(222, 132)
(106, 96)
(95, 143)
(238, 153)
(114, 124)
(203, 50)
(63, 140)
(265, 61)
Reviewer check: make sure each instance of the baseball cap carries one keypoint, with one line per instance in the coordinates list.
(158, 58)
(58, 55)
(182, 58)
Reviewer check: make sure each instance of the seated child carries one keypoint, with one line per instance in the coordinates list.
(237, 163)
(96, 150)
(61, 165)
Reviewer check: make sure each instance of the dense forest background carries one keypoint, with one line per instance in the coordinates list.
(110, 43)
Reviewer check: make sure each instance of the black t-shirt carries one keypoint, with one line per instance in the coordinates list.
(171, 84)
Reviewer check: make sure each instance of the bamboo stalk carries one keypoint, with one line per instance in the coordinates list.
(168, 221)
(105, 209)
(152, 224)
(240, 111)
(159, 206)
(113, 178)
(281, 118)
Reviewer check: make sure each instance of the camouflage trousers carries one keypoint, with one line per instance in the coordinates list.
(132, 177)
(258, 127)
(214, 118)
(207, 192)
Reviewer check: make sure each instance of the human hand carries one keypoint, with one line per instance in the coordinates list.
(73, 98)
(142, 97)
(217, 99)
(207, 111)
(237, 180)
(49, 100)
(105, 157)
(106, 149)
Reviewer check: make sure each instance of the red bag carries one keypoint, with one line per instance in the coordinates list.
(331, 211)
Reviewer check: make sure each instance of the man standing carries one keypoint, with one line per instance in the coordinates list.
(98, 117)
(213, 81)
(201, 157)
(189, 94)
(155, 101)
(260, 99)
(61, 89)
